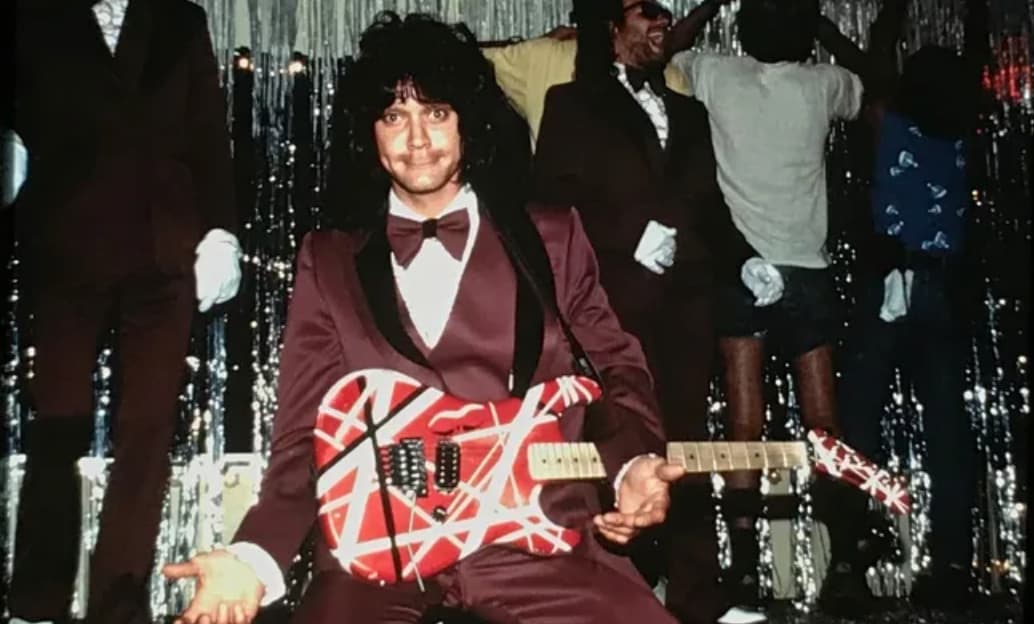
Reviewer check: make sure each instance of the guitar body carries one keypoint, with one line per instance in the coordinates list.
(412, 480)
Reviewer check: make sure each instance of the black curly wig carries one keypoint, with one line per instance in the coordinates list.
(440, 63)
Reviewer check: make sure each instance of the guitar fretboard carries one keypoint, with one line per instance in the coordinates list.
(726, 456)
(568, 461)
(565, 461)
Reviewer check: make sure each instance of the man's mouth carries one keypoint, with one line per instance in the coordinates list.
(656, 37)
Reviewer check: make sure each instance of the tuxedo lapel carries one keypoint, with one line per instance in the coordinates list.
(83, 33)
(134, 43)
(527, 254)
(631, 117)
(373, 265)
(679, 139)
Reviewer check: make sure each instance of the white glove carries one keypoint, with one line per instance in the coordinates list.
(217, 268)
(15, 166)
(763, 279)
(656, 248)
(897, 290)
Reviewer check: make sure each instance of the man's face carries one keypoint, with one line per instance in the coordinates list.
(419, 145)
(640, 40)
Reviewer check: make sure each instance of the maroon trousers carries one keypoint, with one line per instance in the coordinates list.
(500, 586)
(152, 314)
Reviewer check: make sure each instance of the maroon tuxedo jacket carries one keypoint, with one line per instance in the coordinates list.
(345, 315)
(129, 155)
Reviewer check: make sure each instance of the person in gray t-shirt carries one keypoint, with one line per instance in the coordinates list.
(770, 114)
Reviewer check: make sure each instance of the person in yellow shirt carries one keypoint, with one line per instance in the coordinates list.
(525, 70)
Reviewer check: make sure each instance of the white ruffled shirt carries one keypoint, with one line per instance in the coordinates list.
(651, 103)
(110, 14)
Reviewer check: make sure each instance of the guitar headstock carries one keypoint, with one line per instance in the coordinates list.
(840, 461)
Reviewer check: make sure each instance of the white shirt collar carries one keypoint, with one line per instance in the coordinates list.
(465, 199)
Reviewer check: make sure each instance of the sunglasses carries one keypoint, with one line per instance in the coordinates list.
(650, 10)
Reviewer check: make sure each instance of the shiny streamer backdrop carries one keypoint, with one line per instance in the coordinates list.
(280, 60)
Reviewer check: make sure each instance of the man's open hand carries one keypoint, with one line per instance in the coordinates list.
(227, 592)
(642, 499)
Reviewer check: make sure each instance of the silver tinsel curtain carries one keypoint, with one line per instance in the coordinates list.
(280, 60)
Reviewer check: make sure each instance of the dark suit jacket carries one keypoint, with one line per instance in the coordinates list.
(598, 150)
(344, 316)
(127, 154)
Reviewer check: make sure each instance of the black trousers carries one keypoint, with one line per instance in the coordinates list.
(152, 315)
(928, 343)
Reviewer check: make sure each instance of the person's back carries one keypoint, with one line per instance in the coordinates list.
(769, 123)
(770, 115)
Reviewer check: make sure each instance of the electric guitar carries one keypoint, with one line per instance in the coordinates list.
(412, 480)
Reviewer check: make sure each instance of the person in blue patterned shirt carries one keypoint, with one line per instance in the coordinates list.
(914, 276)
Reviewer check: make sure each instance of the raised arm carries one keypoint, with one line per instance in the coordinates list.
(844, 50)
(684, 32)
(884, 36)
(877, 67)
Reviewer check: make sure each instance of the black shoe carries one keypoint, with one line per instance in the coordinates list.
(877, 542)
(741, 587)
(949, 589)
(845, 592)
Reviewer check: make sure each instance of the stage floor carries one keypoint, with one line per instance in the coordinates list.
(999, 610)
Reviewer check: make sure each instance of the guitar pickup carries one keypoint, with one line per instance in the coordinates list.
(446, 465)
(405, 465)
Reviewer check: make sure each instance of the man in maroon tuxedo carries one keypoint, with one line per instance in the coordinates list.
(442, 273)
(126, 215)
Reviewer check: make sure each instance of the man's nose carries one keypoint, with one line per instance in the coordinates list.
(418, 134)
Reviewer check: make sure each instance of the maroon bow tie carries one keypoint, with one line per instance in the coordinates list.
(406, 235)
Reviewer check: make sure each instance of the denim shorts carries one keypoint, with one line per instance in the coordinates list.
(807, 316)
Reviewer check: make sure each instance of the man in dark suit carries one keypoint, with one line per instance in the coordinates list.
(126, 214)
(636, 159)
(443, 274)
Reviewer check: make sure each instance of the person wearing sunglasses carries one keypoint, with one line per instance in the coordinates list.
(636, 158)
(525, 70)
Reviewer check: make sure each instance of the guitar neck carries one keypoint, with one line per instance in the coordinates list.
(573, 461)
(727, 456)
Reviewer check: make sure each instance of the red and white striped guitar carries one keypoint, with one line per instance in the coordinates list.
(412, 480)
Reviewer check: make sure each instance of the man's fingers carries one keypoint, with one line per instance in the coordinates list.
(615, 537)
(183, 569)
(622, 529)
(670, 472)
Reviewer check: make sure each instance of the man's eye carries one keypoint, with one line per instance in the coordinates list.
(438, 114)
(391, 118)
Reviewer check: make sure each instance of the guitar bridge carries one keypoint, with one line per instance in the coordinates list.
(446, 465)
(405, 466)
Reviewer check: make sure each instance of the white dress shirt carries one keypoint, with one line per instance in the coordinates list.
(428, 288)
(651, 103)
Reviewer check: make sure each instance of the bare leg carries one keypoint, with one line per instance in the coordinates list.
(815, 389)
(742, 360)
